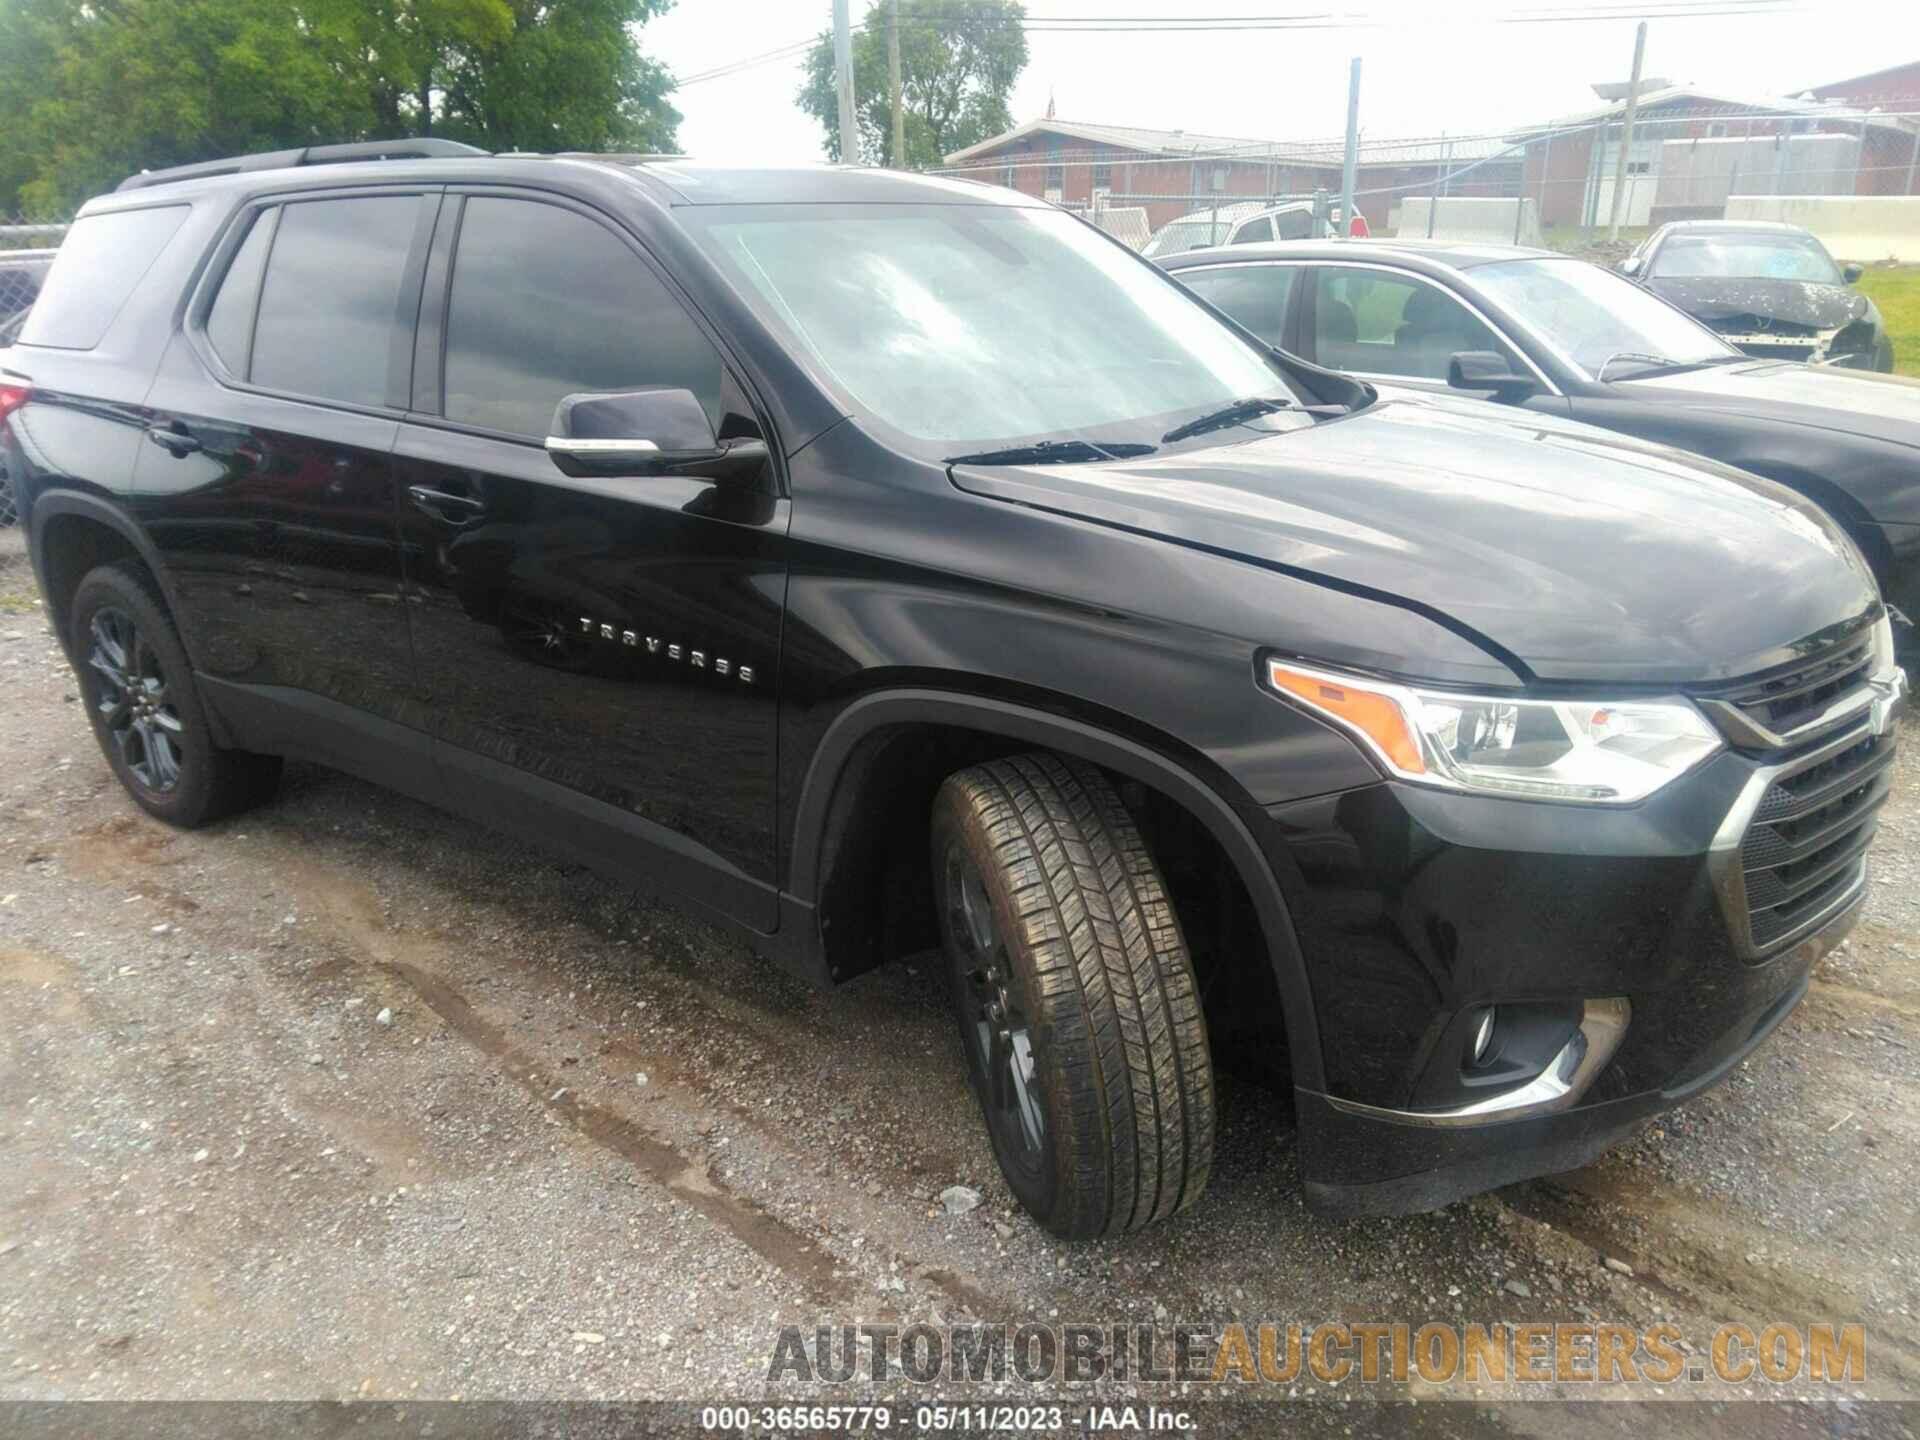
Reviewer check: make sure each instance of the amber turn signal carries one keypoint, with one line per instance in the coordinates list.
(1373, 714)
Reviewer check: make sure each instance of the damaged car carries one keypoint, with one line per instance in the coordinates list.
(1771, 289)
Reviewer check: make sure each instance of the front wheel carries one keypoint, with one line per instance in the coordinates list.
(1076, 998)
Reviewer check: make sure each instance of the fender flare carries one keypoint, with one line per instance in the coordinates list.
(873, 712)
(1840, 504)
(49, 503)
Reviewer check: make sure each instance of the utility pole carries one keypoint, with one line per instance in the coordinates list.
(893, 83)
(843, 72)
(1626, 132)
(1352, 166)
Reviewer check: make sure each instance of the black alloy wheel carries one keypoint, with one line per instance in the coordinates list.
(145, 707)
(993, 1018)
(133, 702)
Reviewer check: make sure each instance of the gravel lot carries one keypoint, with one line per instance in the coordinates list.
(348, 1099)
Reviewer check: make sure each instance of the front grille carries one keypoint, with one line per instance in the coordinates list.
(1784, 701)
(1805, 848)
(1778, 352)
(1750, 324)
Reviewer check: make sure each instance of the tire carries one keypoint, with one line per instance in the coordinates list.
(1076, 997)
(146, 712)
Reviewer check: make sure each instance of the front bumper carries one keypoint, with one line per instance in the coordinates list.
(1415, 907)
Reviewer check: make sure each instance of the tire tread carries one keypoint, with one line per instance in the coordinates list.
(1115, 989)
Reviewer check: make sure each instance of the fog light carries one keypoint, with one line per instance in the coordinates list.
(1482, 1035)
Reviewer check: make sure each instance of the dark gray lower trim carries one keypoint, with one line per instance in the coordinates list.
(628, 849)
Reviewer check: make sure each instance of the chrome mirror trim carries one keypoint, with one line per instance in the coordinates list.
(567, 445)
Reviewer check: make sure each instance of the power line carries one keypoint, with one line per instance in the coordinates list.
(1549, 13)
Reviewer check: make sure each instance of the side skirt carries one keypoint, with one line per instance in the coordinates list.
(626, 848)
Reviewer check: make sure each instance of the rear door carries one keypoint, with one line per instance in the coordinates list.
(599, 655)
(268, 484)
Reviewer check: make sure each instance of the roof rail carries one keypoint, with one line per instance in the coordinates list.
(426, 148)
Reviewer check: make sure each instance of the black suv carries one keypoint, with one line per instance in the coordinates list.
(877, 561)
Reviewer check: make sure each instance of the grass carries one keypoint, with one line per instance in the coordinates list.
(1896, 290)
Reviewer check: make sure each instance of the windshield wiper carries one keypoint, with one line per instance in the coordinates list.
(1661, 361)
(1251, 408)
(1660, 365)
(1054, 452)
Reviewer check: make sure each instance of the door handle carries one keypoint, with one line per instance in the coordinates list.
(177, 443)
(438, 503)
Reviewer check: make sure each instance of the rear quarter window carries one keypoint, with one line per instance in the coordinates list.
(100, 262)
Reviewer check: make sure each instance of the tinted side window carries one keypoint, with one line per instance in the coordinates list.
(328, 304)
(547, 303)
(230, 321)
(100, 261)
(1293, 225)
(1255, 295)
(1391, 325)
(1253, 231)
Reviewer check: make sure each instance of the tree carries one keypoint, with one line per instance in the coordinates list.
(93, 90)
(566, 77)
(91, 93)
(958, 63)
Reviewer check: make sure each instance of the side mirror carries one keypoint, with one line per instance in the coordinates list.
(1631, 266)
(1488, 370)
(647, 432)
(1850, 273)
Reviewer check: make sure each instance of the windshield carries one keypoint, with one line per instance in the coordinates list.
(971, 327)
(1592, 315)
(1745, 257)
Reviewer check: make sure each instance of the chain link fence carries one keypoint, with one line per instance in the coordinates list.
(1848, 172)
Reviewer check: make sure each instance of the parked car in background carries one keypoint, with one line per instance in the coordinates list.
(21, 273)
(1541, 331)
(879, 562)
(1236, 224)
(1771, 289)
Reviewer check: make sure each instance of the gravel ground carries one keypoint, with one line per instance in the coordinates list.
(348, 1099)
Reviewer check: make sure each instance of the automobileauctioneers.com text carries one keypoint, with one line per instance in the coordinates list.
(1548, 1353)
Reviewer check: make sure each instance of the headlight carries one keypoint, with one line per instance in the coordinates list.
(1604, 752)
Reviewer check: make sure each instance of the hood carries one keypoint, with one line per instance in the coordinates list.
(1725, 302)
(1825, 397)
(1568, 552)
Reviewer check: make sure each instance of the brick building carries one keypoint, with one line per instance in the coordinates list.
(1892, 165)
(1694, 147)
(1171, 173)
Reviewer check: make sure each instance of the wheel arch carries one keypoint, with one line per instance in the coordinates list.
(856, 739)
(1848, 511)
(65, 541)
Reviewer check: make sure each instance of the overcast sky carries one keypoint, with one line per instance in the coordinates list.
(1422, 74)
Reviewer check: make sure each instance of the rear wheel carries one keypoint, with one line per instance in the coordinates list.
(145, 710)
(1075, 994)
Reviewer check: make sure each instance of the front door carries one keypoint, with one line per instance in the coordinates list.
(598, 655)
(268, 484)
(1392, 327)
